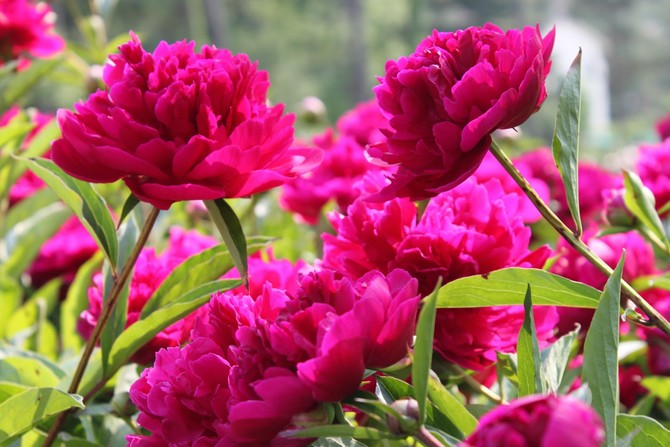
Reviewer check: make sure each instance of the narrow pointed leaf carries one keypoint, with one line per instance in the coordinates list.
(507, 287)
(22, 82)
(451, 407)
(640, 201)
(423, 351)
(197, 269)
(338, 431)
(600, 370)
(26, 208)
(86, 203)
(555, 359)
(642, 430)
(565, 144)
(229, 226)
(528, 353)
(24, 410)
(128, 206)
(337, 442)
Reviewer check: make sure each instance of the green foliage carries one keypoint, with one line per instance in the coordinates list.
(640, 431)
(528, 352)
(232, 233)
(566, 137)
(507, 287)
(640, 201)
(600, 369)
(423, 351)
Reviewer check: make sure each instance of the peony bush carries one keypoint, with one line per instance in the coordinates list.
(422, 288)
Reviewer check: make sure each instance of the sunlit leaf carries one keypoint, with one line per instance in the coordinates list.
(641, 431)
(231, 231)
(423, 351)
(528, 353)
(640, 201)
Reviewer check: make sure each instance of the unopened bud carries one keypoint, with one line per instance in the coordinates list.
(409, 412)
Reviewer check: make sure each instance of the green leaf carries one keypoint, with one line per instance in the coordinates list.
(197, 269)
(23, 411)
(555, 360)
(642, 431)
(600, 370)
(658, 386)
(23, 241)
(640, 201)
(26, 208)
(86, 203)
(139, 333)
(338, 431)
(451, 407)
(11, 294)
(231, 231)
(75, 303)
(507, 287)
(22, 82)
(423, 351)
(9, 389)
(128, 206)
(528, 353)
(565, 144)
(28, 372)
(337, 442)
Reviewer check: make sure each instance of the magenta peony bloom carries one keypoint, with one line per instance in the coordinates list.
(259, 366)
(473, 229)
(364, 123)
(663, 127)
(343, 165)
(179, 125)
(150, 271)
(572, 265)
(26, 29)
(652, 167)
(539, 421)
(444, 101)
(63, 254)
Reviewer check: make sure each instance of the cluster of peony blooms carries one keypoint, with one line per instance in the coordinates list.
(175, 124)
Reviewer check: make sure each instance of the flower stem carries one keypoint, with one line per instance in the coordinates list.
(427, 438)
(92, 341)
(654, 316)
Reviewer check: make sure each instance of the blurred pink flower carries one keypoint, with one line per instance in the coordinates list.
(343, 165)
(26, 29)
(652, 167)
(663, 127)
(444, 101)
(63, 254)
(473, 229)
(364, 123)
(179, 125)
(150, 272)
(539, 421)
(572, 265)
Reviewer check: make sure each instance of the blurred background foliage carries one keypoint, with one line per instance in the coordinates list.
(334, 50)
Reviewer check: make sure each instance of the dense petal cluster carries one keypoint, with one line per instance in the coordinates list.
(179, 125)
(663, 127)
(150, 271)
(26, 29)
(444, 101)
(258, 366)
(539, 421)
(473, 229)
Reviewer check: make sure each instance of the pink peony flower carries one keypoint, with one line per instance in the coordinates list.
(539, 421)
(256, 367)
(663, 127)
(343, 165)
(594, 182)
(444, 101)
(473, 229)
(150, 271)
(652, 167)
(572, 265)
(364, 123)
(63, 254)
(26, 29)
(179, 125)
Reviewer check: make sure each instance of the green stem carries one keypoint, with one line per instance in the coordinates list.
(426, 438)
(654, 316)
(92, 341)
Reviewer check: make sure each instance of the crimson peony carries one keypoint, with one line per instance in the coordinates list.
(444, 100)
(179, 125)
(539, 421)
(26, 28)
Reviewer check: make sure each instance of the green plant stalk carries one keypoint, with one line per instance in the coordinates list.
(115, 293)
(426, 438)
(655, 318)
